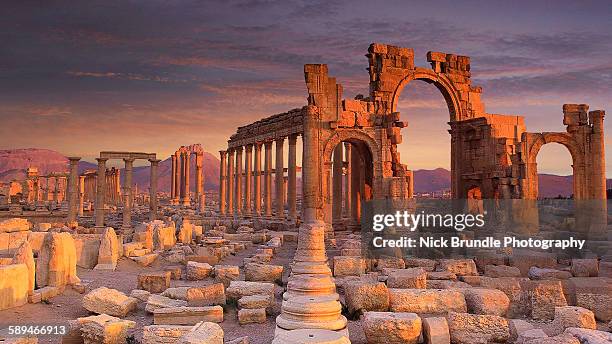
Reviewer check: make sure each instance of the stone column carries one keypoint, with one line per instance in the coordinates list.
(292, 178)
(257, 174)
(81, 195)
(101, 192)
(337, 184)
(72, 189)
(279, 174)
(248, 160)
(230, 182)
(153, 190)
(355, 185)
(181, 177)
(238, 200)
(178, 171)
(173, 179)
(268, 179)
(186, 201)
(56, 191)
(46, 190)
(127, 194)
(199, 180)
(347, 181)
(222, 181)
(117, 189)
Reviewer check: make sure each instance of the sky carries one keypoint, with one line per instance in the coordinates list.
(86, 76)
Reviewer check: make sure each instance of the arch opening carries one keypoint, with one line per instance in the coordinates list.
(350, 182)
(555, 175)
(425, 147)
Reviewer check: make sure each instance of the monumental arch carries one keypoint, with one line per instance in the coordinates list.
(492, 155)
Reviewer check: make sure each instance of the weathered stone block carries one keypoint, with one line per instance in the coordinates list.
(203, 333)
(435, 331)
(460, 267)
(187, 315)
(154, 282)
(109, 301)
(411, 278)
(263, 273)
(255, 301)
(251, 316)
(477, 329)
(157, 301)
(585, 267)
(427, 301)
(349, 266)
(14, 285)
(486, 301)
(209, 295)
(163, 334)
(197, 271)
(391, 328)
(238, 289)
(501, 271)
(226, 273)
(363, 296)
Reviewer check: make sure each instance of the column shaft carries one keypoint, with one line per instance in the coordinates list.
(101, 192)
(230, 182)
(73, 191)
(238, 200)
(257, 174)
(173, 177)
(347, 181)
(81, 195)
(248, 160)
(279, 178)
(355, 185)
(292, 178)
(268, 179)
(187, 199)
(337, 184)
(222, 181)
(127, 194)
(153, 190)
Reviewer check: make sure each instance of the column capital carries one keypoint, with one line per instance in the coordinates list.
(279, 139)
(268, 144)
(238, 149)
(128, 160)
(74, 158)
(154, 161)
(222, 153)
(101, 160)
(249, 146)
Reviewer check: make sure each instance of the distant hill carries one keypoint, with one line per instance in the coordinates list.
(14, 162)
(550, 185)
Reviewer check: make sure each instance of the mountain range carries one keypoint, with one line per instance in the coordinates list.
(14, 162)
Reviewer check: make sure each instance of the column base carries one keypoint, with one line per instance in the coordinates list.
(311, 312)
(313, 336)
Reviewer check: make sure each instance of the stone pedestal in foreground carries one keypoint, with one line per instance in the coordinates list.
(311, 337)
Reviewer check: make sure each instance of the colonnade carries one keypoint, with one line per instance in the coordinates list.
(128, 197)
(180, 190)
(248, 192)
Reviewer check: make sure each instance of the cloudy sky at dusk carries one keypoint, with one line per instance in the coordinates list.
(85, 76)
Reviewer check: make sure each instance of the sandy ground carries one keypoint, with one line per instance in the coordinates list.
(68, 306)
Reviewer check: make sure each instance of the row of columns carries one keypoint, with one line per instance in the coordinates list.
(180, 191)
(233, 180)
(348, 180)
(127, 191)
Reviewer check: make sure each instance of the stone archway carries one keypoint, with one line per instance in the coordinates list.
(360, 148)
(535, 143)
(442, 83)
